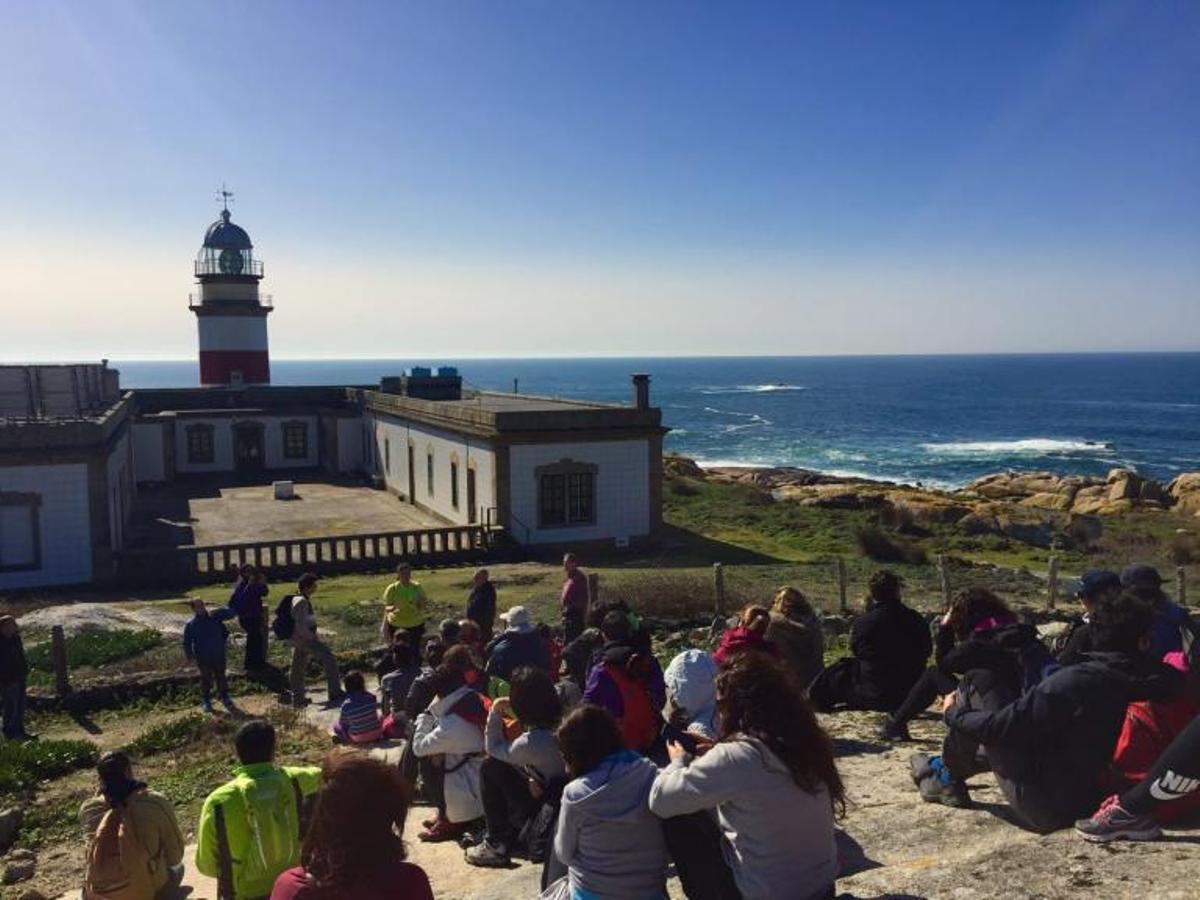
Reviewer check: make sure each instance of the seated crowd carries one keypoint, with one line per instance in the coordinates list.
(595, 762)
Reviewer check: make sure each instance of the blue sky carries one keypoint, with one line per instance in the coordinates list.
(603, 178)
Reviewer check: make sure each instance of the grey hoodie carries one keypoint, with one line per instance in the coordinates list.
(607, 837)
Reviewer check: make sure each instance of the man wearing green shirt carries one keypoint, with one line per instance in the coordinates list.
(250, 828)
(405, 608)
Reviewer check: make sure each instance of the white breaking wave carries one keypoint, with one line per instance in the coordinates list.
(753, 389)
(1026, 447)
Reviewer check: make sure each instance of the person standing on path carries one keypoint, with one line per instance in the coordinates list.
(14, 672)
(481, 604)
(204, 642)
(305, 643)
(405, 608)
(573, 601)
(249, 604)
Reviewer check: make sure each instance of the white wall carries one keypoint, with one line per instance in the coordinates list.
(66, 533)
(148, 462)
(350, 445)
(223, 446)
(622, 489)
(120, 487)
(446, 446)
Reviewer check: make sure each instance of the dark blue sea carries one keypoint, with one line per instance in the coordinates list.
(938, 420)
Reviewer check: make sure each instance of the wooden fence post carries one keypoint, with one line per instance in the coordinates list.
(843, 606)
(944, 580)
(1181, 586)
(718, 589)
(1052, 584)
(58, 656)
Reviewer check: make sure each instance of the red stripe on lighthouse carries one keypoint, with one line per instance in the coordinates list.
(217, 367)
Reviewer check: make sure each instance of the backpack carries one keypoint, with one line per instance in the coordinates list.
(275, 826)
(639, 722)
(118, 863)
(283, 624)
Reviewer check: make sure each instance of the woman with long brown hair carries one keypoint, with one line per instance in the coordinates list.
(774, 785)
(353, 849)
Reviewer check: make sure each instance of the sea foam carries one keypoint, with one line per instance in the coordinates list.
(1024, 447)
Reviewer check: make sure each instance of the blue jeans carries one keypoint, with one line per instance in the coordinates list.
(12, 700)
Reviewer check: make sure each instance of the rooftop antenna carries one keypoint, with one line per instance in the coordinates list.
(224, 195)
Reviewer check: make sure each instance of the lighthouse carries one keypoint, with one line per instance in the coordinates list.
(230, 312)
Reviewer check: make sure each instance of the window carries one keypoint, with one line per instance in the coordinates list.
(295, 440)
(199, 443)
(566, 494)
(454, 484)
(429, 472)
(20, 532)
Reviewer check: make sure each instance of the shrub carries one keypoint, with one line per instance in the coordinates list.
(170, 735)
(23, 764)
(1184, 549)
(878, 545)
(96, 648)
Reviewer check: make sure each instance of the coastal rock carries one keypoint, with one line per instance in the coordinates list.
(1185, 493)
(682, 467)
(927, 508)
(10, 826)
(19, 865)
(832, 496)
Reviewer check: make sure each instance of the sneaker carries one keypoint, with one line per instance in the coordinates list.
(948, 792)
(440, 832)
(1112, 822)
(920, 767)
(488, 855)
(207, 707)
(893, 733)
(429, 823)
(227, 702)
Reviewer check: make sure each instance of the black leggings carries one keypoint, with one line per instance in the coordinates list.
(694, 842)
(507, 803)
(932, 684)
(1175, 774)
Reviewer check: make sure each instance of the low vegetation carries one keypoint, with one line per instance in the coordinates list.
(23, 764)
(95, 648)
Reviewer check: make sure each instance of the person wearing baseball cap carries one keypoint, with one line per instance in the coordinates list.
(1171, 621)
(1092, 586)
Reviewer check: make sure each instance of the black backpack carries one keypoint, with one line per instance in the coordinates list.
(283, 624)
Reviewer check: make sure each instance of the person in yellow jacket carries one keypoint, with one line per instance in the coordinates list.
(250, 828)
(405, 608)
(152, 816)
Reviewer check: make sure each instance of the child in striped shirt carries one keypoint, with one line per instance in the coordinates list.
(358, 721)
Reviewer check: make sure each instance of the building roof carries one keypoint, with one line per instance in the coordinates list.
(65, 392)
(224, 235)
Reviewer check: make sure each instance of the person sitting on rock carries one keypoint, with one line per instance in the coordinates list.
(773, 784)
(1051, 747)
(1074, 643)
(354, 846)
(519, 644)
(448, 743)
(523, 762)
(358, 719)
(251, 827)
(750, 633)
(628, 682)
(400, 670)
(610, 842)
(796, 630)
(132, 835)
(691, 685)
(1173, 626)
(978, 631)
(890, 643)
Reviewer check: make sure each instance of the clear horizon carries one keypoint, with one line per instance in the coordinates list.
(687, 179)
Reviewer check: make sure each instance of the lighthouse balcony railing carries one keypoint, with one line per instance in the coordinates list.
(213, 267)
(196, 301)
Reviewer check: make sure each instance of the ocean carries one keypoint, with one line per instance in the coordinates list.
(936, 420)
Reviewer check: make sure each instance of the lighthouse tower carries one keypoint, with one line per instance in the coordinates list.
(230, 312)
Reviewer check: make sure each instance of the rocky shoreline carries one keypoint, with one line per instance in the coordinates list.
(1033, 507)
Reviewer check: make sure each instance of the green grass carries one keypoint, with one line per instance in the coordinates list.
(170, 735)
(24, 764)
(96, 648)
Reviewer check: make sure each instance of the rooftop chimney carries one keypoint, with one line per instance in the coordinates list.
(641, 391)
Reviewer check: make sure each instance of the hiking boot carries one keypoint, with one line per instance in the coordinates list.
(919, 765)
(487, 855)
(892, 732)
(948, 792)
(441, 831)
(1112, 822)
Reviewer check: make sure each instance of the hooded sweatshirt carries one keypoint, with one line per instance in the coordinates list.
(801, 644)
(607, 837)
(691, 680)
(778, 837)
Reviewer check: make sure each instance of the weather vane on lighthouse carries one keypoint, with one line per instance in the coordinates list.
(224, 195)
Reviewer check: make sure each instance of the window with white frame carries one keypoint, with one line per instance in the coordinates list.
(566, 494)
(199, 443)
(295, 440)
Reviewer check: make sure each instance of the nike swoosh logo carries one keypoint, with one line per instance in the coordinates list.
(1171, 787)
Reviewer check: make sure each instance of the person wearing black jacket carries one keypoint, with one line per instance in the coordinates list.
(481, 604)
(978, 631)
(1050, 748)
(521, 644)
(890, 644)
(1076, 641)
(14, 670)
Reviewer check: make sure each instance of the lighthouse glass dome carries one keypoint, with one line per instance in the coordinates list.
(227, 250)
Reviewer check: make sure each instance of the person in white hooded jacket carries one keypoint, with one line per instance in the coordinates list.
(692, 693)
(448, 742)
(607, 838)
(773, 783)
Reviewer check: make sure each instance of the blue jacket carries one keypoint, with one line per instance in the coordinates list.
(1170, 622)
(517, 648)
(204, 637)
